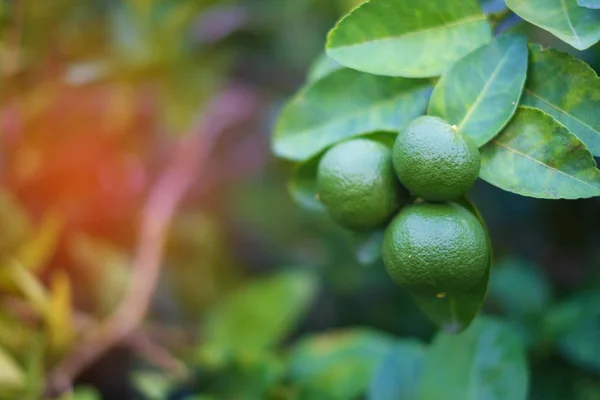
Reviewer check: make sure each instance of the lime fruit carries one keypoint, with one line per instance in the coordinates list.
(439, 246)
(435, 161)
(357, 184)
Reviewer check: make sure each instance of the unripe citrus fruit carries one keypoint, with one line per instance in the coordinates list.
(435, 161)
(358, 186)
(440, 246)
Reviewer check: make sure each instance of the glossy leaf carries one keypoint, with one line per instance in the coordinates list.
(323, 66)
(538, 157)
(455, 311)
(565, 19)
(398, 375)
(573, 100)
(344, 104)
(408, 38)
(594, 4)
(338, 365)
(479, 94)
(485, 362)
(575, 324)
(260, 315)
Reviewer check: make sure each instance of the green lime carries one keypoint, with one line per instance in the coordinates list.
(357, 184)
(435, 161)
(440, 246)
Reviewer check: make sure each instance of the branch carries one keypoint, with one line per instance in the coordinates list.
(233, 106)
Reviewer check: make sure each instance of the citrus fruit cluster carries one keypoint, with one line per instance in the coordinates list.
(415, 190)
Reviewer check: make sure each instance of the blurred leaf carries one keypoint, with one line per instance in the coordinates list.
(14, 275)
(322, 67)
(479, 94)
(106, 265)
(595, 4)
(397, 376)
(152, 385)
(35, 253)
(82, 393)
(492, 6)
(538, 157)
(575, 323)
(572, 100)
(368, 249)
(410, 39)
(14, 221)
(245, 377)
(261, 314)
(59, 315)
(578, 26)
(11, 375)
(34, 370)
(455, 311)
(344, 104)
(485, 362)
(338, 365)
(519, 288)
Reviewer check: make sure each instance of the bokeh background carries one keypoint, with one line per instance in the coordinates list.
(96, 96)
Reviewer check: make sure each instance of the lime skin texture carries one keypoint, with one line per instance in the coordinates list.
(439, 247)
(357, 184)
(434, 161)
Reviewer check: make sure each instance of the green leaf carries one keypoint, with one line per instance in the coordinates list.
(261, 314)
(595, 4)
(479, 94)
(519, 288)
(12, 376)
(153, 385)
(485, 362)
(322, 67)
(303, 185)
(338, 365)
(538, 157)
(398, 375)
(85, 393)
(455, 311)
(575, 324)
(344, 104)
(408, 38)
(574, 99)
(577, 26)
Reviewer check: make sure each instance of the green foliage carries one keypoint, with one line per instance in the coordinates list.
(578, 26)
(398, 374)
(572, 100)
(405, 38)
(485, 362)
(261, 315)
(479, 94)
(338, 365)
(536, 156)
(531, 112)
(316, 118)
(575, 323)
(594, 4)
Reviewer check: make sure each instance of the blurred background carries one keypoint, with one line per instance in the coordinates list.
(97, 100)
